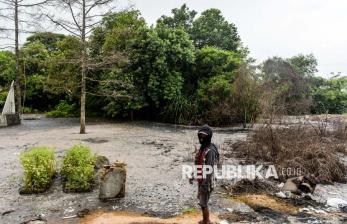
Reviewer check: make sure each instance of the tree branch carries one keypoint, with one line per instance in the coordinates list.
(74, 18)
(34, 4)
(62, 25)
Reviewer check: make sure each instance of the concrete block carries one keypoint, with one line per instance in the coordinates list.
(112, 181)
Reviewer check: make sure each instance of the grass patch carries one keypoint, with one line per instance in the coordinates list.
(78, 169)
(256, 201)
(39, 169)
(190, 211)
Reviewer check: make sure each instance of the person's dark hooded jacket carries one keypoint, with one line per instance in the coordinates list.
(211, 157)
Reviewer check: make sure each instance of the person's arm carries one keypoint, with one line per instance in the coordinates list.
(191, 180)
(210, 160)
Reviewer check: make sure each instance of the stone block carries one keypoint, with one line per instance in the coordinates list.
(112, 181)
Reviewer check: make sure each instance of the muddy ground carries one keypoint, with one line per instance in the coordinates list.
(153, 152)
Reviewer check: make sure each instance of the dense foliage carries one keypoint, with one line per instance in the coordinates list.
(330, 96)
(77, 169)
(187, 68)
(63, 109)
(39, 168)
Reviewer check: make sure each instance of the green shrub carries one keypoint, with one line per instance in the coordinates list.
(78, 169)
(181, 110)
(27, 110)
(63, 109)
(39, 169)
(3, 96)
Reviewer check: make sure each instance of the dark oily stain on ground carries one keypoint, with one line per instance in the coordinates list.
(303, 201)
(95, 140)
(271, 214)
(237, 216)
(7, 212)
(164, 145)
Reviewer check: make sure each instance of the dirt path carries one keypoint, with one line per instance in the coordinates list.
(154, 154)
(131, 218)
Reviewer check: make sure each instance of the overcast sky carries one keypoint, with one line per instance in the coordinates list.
(274, 27)
(277, 27)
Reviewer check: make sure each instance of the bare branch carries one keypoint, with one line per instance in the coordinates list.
(7, 47)
(9, 17)
(74, 17)
(62, 25)
(97, 3)
(34, 4)
(7, 2)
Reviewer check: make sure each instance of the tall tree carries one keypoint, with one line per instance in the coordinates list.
(292, 89)
(211, 29)
(16, 13)
(181, 18)
(84, 16)
(48, 39)
(304, 65)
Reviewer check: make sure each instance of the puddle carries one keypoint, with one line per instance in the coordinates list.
(132, 218)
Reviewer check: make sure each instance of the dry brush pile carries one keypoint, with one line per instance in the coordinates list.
(310, 148)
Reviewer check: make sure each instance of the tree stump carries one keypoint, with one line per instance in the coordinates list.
(112, 181)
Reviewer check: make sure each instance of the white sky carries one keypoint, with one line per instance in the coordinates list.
(275, 27)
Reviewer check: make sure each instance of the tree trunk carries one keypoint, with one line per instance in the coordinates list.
(83, 72)
(18, 77)
(83, 96)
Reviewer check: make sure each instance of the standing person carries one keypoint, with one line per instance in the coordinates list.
(206, 155)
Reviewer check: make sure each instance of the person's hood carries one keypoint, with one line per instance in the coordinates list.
(206, 130)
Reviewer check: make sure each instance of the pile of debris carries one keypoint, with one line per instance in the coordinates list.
(256, 186)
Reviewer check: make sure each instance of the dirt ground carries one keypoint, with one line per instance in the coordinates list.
(153, 152)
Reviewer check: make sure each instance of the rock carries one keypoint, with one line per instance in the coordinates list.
(223, 222)
(284, 194)
(311, 210)
(281, 194)
(112, 181)
(83, 213)
(240, 207)
(280, 185)
(35, 221)
(304, 210)
(229, 209)
(101, 161)
(336, 203)
(302, 184)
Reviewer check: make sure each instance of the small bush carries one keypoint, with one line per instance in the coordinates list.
(78, 169)
(3, 96)
(39, 169)
(63, 109)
